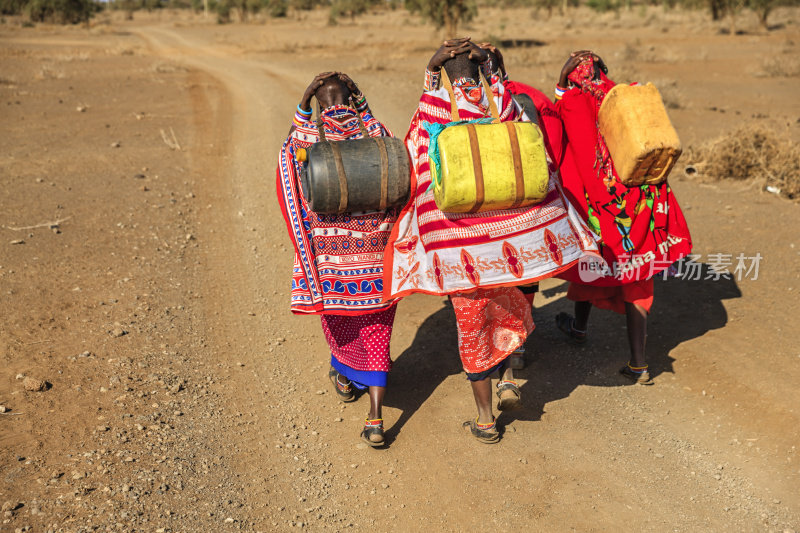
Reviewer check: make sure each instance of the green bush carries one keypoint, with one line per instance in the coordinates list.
(277, 8)
(603, 6)
(448, 14)
(60, 11)
(11, 7)
(306, 5)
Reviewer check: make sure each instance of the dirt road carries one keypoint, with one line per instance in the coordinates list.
(265, 444)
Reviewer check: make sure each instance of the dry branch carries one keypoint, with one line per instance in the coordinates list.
(171, 142)
(53, 224)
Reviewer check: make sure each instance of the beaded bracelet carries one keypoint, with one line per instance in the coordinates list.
(303, 112)
(559, 92)
(299, 120)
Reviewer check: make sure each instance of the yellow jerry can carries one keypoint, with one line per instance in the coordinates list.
(487, 167)
(641, 140)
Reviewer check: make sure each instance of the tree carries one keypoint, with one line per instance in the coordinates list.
(60, 11)
(306, 5)
(447, 14)
(350, 8)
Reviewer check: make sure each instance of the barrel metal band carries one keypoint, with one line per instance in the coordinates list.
(343, 191)
(477, 167)
(517, 157)
(384, 172)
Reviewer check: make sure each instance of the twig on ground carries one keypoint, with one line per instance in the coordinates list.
(53, 224)
(30, 343)
(10, 414)
(173, 142)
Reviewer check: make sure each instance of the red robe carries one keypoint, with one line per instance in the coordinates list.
(642, 229)
(549, 119)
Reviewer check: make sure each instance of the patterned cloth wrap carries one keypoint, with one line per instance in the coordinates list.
(641, 230)
(338, 264)
(444, 253)
(492, 323)
(360, 346)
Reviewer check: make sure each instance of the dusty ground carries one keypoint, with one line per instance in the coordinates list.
(145, 277)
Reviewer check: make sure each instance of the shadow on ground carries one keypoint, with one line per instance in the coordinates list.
(684, 309)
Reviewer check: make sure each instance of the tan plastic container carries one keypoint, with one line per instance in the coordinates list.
(643, 144)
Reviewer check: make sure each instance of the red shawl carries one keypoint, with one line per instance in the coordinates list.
(549, 119)
(642, 229)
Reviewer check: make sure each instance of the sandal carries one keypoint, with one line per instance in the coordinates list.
(343, 390)
(486, 433)
(566, 323)
(639, 375)
(509, 396)
(372, 433)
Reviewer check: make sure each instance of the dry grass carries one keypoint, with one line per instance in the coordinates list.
(759, 155)
(48, 71)
(780, 67)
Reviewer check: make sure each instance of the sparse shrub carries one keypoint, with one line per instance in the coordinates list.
(350, 8)
(758, 154)
(277, 8)
(447, 14)
(11, 7)
(603, 6)
(306, 5)
(61, 11)
(781, 67)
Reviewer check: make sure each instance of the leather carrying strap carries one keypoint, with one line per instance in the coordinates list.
(361, 125)
(517, 157)
(477, 167)
(487, 89)
(343, 190)
(453, 105)
(321, 130)
(384, 172)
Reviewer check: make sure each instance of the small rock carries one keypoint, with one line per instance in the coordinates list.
(81, 109)
(20, 376)
(118, 332)
(3, 409)
(34, 385)
(17, 241)
(229, 520)
(115, 144)
(139, 176)
(11, 506)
